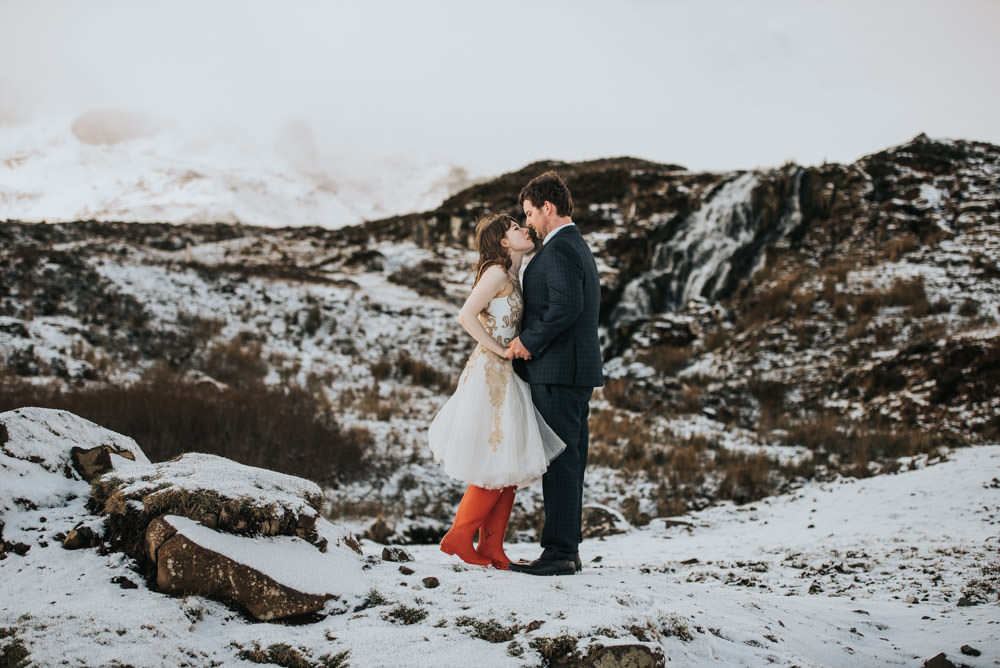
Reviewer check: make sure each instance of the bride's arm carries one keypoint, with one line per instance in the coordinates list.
(492, 283)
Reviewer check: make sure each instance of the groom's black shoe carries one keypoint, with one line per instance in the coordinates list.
(544, 567)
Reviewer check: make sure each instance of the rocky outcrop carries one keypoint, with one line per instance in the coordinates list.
(271, 555)
(216, 492)
(190, 559)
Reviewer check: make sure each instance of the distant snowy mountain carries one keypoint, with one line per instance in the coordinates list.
(113, 165)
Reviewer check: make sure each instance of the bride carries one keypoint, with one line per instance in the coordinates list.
(489, 433)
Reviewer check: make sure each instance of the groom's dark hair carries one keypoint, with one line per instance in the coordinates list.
(548, 187)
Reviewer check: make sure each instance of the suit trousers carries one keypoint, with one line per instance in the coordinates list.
(565, 409)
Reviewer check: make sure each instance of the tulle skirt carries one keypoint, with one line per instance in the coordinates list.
(489, 432)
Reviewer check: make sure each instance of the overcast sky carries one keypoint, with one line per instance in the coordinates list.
(491, 86)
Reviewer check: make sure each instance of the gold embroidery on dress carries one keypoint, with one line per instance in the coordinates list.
(516, 301)
(497, 376)
(497, 368)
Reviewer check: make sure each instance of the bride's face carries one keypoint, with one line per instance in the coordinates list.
(519, 239)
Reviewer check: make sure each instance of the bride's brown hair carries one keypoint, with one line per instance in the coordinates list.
(489, 232)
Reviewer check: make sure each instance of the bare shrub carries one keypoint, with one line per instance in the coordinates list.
(853, 446)
(900, 246)
(867, 304)
(666, 358)
(770, 395)
(422, 373)
(237, 362)
(907, 292)
(745, 477)
(838, 271)
(969, 308)
(771, 303)
(716, 338)
(885, 334)
(803, 299)
(287, 430)
(382, 369)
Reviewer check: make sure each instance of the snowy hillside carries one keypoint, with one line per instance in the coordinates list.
(891, 570)
(110, 165)
(817, 345)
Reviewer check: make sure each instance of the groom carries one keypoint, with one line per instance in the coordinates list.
(558, 354)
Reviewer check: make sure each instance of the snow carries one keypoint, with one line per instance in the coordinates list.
(167, 174)
(199, 471)
(287, 560)
(35, 463)
(886, 559)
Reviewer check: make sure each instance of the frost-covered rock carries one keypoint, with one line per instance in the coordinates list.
(215, 491)
(37, 464)
(272, 578)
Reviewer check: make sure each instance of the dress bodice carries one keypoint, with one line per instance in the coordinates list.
(502, 316)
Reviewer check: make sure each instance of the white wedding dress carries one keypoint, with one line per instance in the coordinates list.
(489, 433)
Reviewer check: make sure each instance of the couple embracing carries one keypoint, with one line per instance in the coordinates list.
(520, 411)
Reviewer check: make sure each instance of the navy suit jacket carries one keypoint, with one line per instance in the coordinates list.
(562, 303)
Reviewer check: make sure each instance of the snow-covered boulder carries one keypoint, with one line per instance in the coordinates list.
(45, 455)
(215, 491)
(271, 577)
(252, 537)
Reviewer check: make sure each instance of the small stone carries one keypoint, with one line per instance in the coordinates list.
(534, 626)
(79, 538)
(406, 570)
(124, 582)
(431, 582)
(939, 661)
(911, 599)
(970, 651)
(395, 554)
(965, 602)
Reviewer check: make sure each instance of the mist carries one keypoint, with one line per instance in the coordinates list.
(491, 87)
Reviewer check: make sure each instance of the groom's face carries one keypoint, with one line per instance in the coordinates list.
(537, 218)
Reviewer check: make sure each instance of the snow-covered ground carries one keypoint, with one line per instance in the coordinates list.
(110, 165)
(850, 573)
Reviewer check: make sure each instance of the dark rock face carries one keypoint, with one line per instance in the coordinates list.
(185, 567)
(599, 521)
(94, 462)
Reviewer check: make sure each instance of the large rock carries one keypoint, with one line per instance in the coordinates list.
(631, 655)
(37, 464)
(215, 491)
(272, 578)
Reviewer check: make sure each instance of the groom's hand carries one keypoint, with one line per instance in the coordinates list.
(517, 350)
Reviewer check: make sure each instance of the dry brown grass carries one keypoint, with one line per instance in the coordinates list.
(666, 358)
(404, 367)
(850, 447)
(771, 303)
(900, 246)
(716, 338)
(908, 292)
